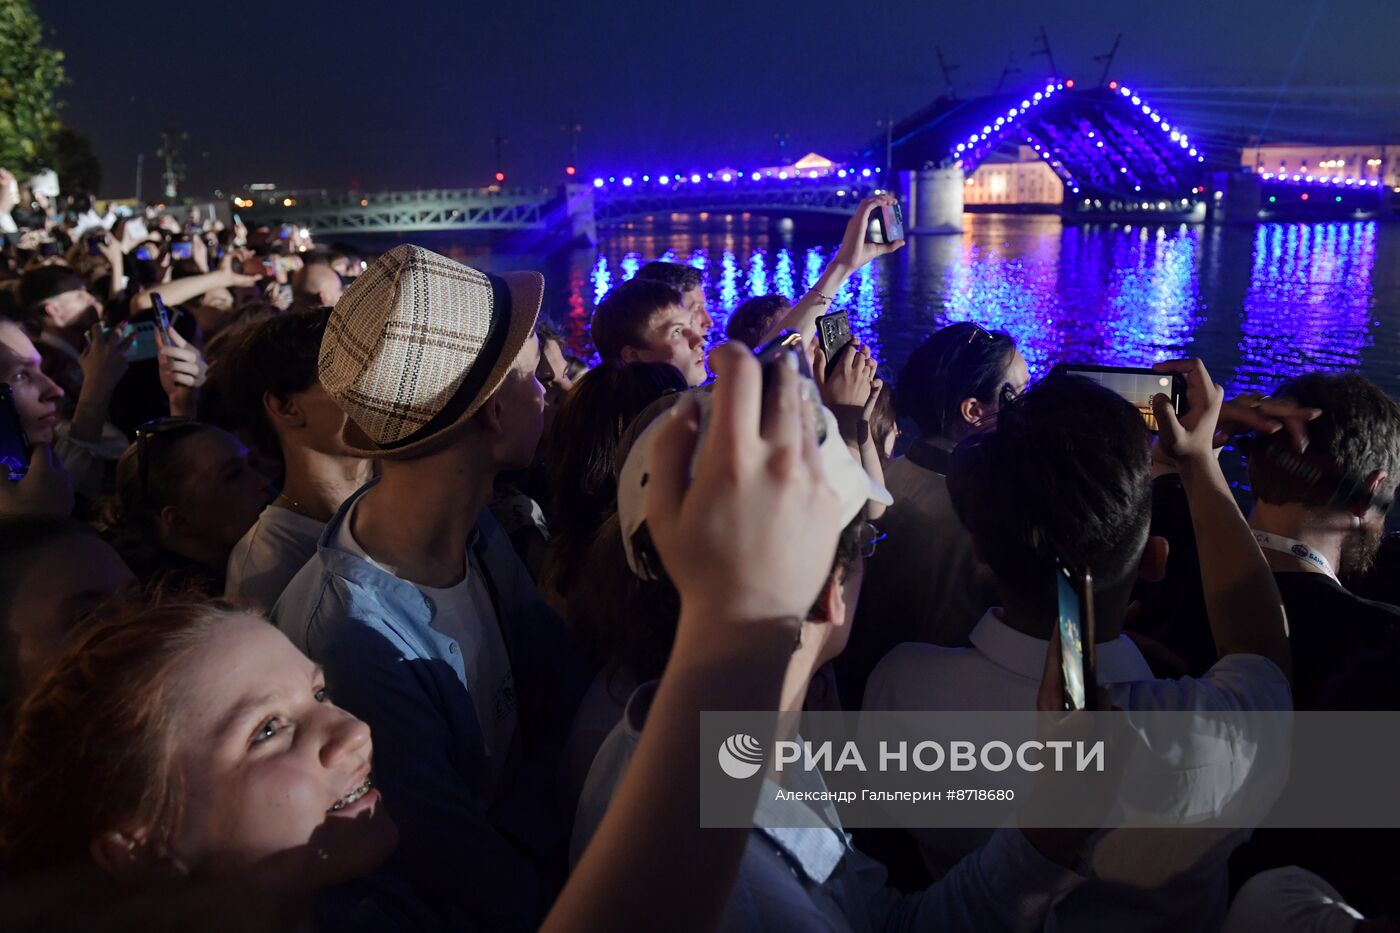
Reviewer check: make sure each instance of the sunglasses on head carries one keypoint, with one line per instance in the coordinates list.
(159, 430)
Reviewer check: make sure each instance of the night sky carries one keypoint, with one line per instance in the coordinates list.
(410, 94)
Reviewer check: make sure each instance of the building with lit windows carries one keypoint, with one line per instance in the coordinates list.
(1024, 180)
(1364, 163)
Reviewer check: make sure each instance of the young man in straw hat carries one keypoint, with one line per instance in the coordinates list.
(427, 625)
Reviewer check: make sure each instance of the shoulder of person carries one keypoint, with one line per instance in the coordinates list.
(1237, 682)
(907, 669)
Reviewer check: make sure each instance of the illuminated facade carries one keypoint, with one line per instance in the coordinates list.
(1363, 163)
(1027, 180)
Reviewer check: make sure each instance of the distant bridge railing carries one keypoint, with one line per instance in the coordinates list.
(828, 195)
(414, 211)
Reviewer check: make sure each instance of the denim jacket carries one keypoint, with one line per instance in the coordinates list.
(476, 862)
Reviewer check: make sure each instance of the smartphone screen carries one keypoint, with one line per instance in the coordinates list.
(893, 217)
(181, 249)
(1137, 385)
(1075, 598)
(143, 344)
(886, 224)
(14, 445)
(146, 251)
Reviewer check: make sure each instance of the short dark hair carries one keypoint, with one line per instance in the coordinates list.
(278, 355)
(678, 275)
(1359, 429)
(621, 318)
(546, 331)
(584, 446)
(958, 362)
(41, 283)
(1066, 473)
(756, 317)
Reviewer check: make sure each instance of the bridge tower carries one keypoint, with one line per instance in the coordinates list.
(933, 199)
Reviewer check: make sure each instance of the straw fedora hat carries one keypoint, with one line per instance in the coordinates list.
(417, 344)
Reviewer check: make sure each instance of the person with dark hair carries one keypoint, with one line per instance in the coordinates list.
(427, 623)
(269, 381)
(53, 572)
(582, 458)
(58, 311)
(1065, 480)
(554, 368)
(926, 584)
(645, 321)
(185, 496)
(1323, 463)
(687, 280)
(756, 317)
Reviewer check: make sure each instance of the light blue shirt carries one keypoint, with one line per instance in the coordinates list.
(476, 859)
(797, 877)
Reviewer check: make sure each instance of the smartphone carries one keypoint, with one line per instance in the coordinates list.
(162, 313)
(147, 252)
(833, 333)
(284, 232)
(49, 248)
(1075, 592)
(143, 344)
(14, 443)
(94, 245)
(886, 224)
(181, 249)
(1136, 384)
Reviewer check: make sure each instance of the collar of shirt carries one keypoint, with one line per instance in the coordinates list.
(1118, 661)
(810, 837)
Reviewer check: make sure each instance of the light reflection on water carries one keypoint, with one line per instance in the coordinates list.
(1258, 304)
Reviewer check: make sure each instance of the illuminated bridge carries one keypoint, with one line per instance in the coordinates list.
(1115, 155)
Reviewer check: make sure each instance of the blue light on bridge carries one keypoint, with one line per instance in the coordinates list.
(665, 179)
(627, 181)
(695, 179)
(865, 173)
(597, 182)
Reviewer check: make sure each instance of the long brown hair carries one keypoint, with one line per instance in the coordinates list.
(92, 747)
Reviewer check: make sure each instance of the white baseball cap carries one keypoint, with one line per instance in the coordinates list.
(853, 485)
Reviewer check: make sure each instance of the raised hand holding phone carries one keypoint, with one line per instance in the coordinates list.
(182, 372)
(1192, 437)
(758, 489)
(104, 361)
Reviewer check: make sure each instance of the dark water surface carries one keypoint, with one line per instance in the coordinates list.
(1258, 304)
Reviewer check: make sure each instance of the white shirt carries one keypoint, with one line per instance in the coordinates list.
(1158, 879)
(465, 613)
(266, 558)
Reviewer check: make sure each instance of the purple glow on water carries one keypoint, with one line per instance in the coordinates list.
(1310, 302)
(1259, 305)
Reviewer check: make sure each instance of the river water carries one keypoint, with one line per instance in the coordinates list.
(1258, 304)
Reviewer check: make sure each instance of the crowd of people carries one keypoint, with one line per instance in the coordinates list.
(337, 592)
